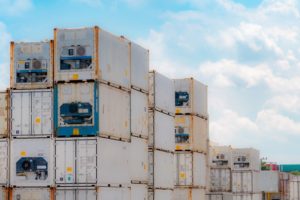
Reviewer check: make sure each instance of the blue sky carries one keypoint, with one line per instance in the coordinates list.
(247, 52)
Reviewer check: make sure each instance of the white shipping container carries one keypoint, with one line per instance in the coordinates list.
(245, 159)
(161, 131)
(160, 194)
(139, 192)
(139, 160)
(31, 194)
(114, 111)
(139, 114)
(220, 180)
(219, 196)
(191, 169)
(189, 194)
(113, 163)
(269, 181)
(76, 161)
(4, 104)
(4, 159)
(31, 113)
(32, 66)
(76, 193)
(257, 196)
(191, 133)
(139, 67)
(111, 193)
(161, 93)
(191, 97)
(161, 169)
(245, 181)
(220, 156)
(294, 187)
(31, 162)
(4, 193)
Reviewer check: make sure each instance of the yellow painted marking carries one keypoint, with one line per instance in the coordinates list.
(182, 175)
(69, 169)
(23, 153)
(75, 131)
(38, 120)
(75, 76)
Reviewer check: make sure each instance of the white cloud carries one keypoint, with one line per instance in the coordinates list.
(15, 7)
(4, 56)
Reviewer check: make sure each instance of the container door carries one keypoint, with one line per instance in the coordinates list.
(139, 192)
(86, 195)
(65, 162)
(200, 134)
(3, 162)
(139, 159)
(199, 169)
(65, 194)
(86, 165)
(225, 178)
(3, 114)
(236, 182)
(163, 169)
(184, 168)
(247, 181)
(163, 194)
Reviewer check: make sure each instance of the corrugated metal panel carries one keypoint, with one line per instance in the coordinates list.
(191, 133)
(113, 163)
(245, 181)
(75, 194)
(219, 196)
(161, 131)
(189, 194)
(257, 196)
(139, 160)
(4, 193)
(32, 66)
(284, 186)
(31, 112)
(294, 187)
(4, 159)
(139, 114)
(4, 101)
(245, 159)
(161, 93)
(220, 156)
(196, 102)
(200, 170)
(220, 180)
(159, 194)
(29, 150)
(269, 181)
(139, 67)
(161, 169)
(111, 193)
(139, 192)
(76, 161)
(114, 102)
(31, 194)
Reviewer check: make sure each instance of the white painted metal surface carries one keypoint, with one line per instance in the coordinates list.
(4, 159)
(191, 133)
(220, 180)
(113, 163)
(257, 196)
(197, 103)
(245, 159)
(114, 112)
(31, 194)
(31, 112)
(269, 181)
(139, 114)
(161, 92)
(4, 193)
(139, 192)
(189, 194)
(220, 156)
(139, 67)
(161, 131)
(111, 193)
(161, 169)
(76, 161)
(294, 188)
(4, 103)
(219, 196)
(139, 160)
(245, 181)
(32, 148)
(160, 194)
(79, 193)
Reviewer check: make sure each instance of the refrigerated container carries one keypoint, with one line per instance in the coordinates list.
(284, 185)
(113, 163)
(161, 131)
(31, 113)
(76, 193)
(254, 196)
(160, 194)
(4, 160)
(4, 114)
(245, 159)
(31, 163)
(31, 194)
(76, 161)
(31, 65)
(191, 169)
(139, 114)
(139, 160)
(114, 193)
(191, 133)
(91, 54)
(220, 180)
(191, 97)
(161, 93)
(269, 181)
(139, 192)
(220, 156)
(139, 60)
(161, 169)
(294, 187)
(245, 181)
(189, 194)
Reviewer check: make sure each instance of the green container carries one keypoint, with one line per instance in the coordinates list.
(290, 168)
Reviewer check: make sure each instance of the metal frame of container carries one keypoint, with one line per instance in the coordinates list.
(32, 115)
(4, 162)
(220, 181)
(13, 58)
(30, 193)
(160, 194)
(219, 196)
(4, 114)
(220, 157)
(72, 160)
(76, 193)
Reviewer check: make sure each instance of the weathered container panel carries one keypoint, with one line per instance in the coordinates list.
(294, 187)
(160, 194)
(31, 194)
(31, 113)
(75, 194)
(4, 159)
(139, 192)
(257, 196)
(189, 194)
(139, 160)
(269, 181)
(113, 163)
(4, 106)
(111, 193)
(219, 196)
(220, 156)
(245, 159)
(4, 195)
(31, 162)
(245, 181)
(220, 180)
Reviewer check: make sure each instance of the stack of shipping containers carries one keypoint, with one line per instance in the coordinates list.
(161, 137)
(191, 136)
